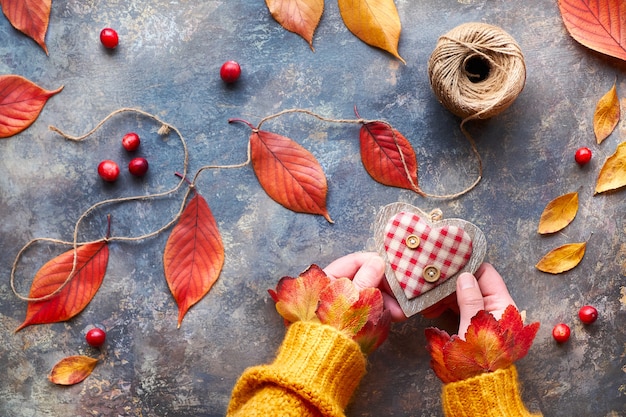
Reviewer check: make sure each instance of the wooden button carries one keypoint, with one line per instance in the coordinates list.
(431, 273)
(412, 241)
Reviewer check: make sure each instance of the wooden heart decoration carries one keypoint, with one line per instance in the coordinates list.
(425, 253)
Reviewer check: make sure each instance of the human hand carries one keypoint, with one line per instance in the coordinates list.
(366, 270)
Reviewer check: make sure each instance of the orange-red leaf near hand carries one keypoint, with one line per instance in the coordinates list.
(388, 156)
(21, 101)
(30, 17)
(375, 22)
(298, 16)
(288, 173)
(597, 24)
(193, 256)
(297, 298)
(606, 115)
(91, 265)
(72, 370)
(613, 172)
(339, 307)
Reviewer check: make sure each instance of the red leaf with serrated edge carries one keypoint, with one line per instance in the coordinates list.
(388, 156)
(339, 307)
(374, 333)
(288, 173)
(298, 16)
(597, 24)
(91, 265)
(297, 298)
(30, 17)
(489, 345)
(194, 255)
(72, 370)
(21, 101)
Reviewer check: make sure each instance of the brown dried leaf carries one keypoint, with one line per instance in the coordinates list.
(613, 173)
(72, 370)
(558, 213)
(563, 258)
(607, 115)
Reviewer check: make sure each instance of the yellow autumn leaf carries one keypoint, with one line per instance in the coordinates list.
(607, 115)
(613, 173)
(72, 370)
(563, 258)
(558, 213)
(375, 22)
(298, 16)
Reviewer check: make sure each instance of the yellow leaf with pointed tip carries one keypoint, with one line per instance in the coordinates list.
(613, 173)
(558, 213)
(375, 22)
(607, 115)
(563, 258)
(72, 370)
(297, 16)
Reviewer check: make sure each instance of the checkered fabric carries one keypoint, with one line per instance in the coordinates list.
(447, 248)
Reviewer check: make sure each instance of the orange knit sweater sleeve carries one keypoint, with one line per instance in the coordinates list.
(316, 371)
(494, 394)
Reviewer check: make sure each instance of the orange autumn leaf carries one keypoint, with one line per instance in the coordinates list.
(30, 17)
(563, 258)
(21, 101)
(298, 16)
(607, 114)
(375, 22)
(193, 256)
(558, 213)
(288, 173)
(339, 307)
(388, 156)
(72, 370)
(91, 265)
(613, 173)
(597, 24)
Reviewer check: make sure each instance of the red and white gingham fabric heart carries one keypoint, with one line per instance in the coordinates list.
(447, 248)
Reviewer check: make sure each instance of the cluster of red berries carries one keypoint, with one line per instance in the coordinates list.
(109, 170)
(96, 337)
(587, 314)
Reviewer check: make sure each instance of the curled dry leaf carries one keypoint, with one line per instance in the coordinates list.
(30, 17)
(193, 256)
(375, 22)
(598, 25)
(613, 173)
(558, 213)
(21, 101)
(91, 265)
(298, 16)
(563, 258)
(607, 114)
(72, 370)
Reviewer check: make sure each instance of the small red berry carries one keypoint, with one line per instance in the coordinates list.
(561, 332)
(588, 314)
(109, 38)
(95, 337)
(583, 156)
(108, 170)
(138, 167)
(131, 141)
(230, 71)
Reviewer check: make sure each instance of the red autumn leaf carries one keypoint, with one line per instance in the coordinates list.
(388, 156)
(21, 101)
(297, 298)
(298, 16)
(72, 370)
(340, 307)
(374, 332)
(194, 255)
(489, 345)
(30, 17)
(288, 173)
(91, 265)
(597, 24)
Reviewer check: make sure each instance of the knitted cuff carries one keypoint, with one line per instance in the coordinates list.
(492, 394)
(316, 362)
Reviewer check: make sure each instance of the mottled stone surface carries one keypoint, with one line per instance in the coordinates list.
(167, 64)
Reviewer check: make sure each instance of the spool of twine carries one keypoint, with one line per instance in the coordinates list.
(477, 70)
